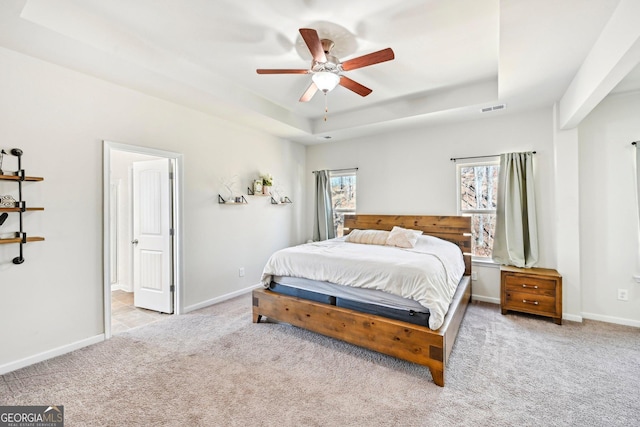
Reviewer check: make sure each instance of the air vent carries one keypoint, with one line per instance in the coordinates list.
(494, 108)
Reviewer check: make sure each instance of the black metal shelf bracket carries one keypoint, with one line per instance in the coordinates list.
(284, 200)
(21, 204)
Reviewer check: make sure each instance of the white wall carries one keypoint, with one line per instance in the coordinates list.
(608, 210)
(60, 118)
(410, 172)
(567, 226)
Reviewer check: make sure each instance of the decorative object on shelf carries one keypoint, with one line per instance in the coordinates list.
(7, 202)
(267, 183)
(3, 218)
(229, 185)
(278, 195)
(240, 200)
(257, 186)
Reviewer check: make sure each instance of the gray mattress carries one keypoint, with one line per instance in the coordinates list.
(368, 296)
(369, 301)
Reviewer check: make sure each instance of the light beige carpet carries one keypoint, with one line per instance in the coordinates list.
(214, 367)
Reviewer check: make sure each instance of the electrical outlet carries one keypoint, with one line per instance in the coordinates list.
(623, 295)
(474, 275)
(241, 272)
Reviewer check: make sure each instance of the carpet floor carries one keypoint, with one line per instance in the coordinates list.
(214, 367)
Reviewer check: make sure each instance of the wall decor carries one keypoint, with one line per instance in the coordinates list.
(229, 188)
(8, 204)
(267, 183)
(257, 186)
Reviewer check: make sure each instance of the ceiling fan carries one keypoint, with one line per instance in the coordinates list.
(327, 70)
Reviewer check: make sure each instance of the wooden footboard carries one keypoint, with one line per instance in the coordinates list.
(414, 343)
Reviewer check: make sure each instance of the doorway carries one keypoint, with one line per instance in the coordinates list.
(142, 259)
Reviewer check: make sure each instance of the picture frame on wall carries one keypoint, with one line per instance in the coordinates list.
(257, 186)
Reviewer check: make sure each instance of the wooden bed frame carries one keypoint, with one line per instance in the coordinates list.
(414, 343)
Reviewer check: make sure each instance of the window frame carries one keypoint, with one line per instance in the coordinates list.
(470, 212)
(343, 211)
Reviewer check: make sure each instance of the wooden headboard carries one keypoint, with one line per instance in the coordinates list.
(456, 229)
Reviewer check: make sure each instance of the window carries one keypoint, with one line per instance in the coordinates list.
(343, 197)
(477, 194)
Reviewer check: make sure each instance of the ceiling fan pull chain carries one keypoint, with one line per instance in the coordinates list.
(326, 107)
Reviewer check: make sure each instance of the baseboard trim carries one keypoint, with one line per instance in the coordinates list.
(565, 316)
(485, 299)
(572, 317)
(121, 287)
(611, 319)
(219, 299)
(50, 354)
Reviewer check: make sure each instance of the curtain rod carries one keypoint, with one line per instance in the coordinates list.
(453, 159)
(338, 170)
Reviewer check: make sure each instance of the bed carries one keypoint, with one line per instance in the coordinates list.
(406, 340)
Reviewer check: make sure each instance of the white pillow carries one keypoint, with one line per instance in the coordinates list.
(403, 237)
(368, 237)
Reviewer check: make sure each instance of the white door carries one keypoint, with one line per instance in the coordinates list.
(152, 223)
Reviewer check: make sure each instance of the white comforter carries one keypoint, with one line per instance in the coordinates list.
(428, 273)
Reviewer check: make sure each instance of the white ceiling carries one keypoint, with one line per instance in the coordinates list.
(452, 57)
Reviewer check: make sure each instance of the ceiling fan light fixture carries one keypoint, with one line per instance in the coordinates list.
(325, 80)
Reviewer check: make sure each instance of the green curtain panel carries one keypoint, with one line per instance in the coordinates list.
(323, 228)
(516, 236)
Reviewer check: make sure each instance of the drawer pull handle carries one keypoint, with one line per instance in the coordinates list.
(530, 302)
(532, 287)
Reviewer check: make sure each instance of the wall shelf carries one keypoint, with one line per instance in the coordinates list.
(19, 209)
(222, 201)
(285, 200)
(250, 192)
(20, 240)
(20, 206)
(17, 177)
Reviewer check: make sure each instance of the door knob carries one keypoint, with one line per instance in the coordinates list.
(134, 241)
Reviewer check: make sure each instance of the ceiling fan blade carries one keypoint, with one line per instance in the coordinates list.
(310, 37)
(281, 71)
(308, 94)
(354, 86)
(369, 59)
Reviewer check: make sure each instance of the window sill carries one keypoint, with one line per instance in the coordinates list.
(484, 262)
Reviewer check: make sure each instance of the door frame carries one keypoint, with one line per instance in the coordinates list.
(177, 207)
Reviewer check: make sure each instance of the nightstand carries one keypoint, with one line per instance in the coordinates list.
(531, 290)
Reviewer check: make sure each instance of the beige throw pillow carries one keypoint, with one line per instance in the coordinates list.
(403, 237)
(368, 237)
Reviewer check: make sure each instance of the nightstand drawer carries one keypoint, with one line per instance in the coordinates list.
(523, 301)
(533, 285)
